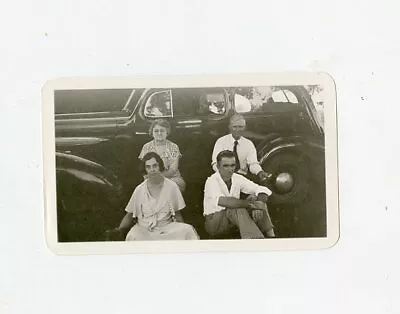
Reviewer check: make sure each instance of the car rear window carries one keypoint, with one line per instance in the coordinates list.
(92, 100)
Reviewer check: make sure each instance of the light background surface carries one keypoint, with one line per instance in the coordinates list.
(356, 42)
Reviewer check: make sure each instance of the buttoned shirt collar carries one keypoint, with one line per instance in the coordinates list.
(233, 139)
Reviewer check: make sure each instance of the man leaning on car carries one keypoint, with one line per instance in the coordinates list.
(243, 148)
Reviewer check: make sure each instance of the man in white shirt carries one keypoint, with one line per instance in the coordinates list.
(243, 148)
(223, 208)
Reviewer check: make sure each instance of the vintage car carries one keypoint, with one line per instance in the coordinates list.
(99, 135)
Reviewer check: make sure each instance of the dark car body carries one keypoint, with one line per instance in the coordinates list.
(100, 133)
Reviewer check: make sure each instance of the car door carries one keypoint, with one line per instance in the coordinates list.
(199, 118)
(272, 110)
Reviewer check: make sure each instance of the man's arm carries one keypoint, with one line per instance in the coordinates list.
(261, 174)
(232, 202)
(263, 197)
(249, 187)
(216, 150)
(261, 202)
(254, 166)
(252, 161)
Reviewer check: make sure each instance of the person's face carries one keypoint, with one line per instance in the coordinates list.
(159, 133)
(237, 127)
(152, 167)
(226, 167)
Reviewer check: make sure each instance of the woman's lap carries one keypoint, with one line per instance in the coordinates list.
(172, 231)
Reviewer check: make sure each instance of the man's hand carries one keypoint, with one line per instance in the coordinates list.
(251, 197)
(263, 176)
(257, 214)
(257, 205)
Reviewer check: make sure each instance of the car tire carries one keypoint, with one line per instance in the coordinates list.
(296, 169)
(84, 215)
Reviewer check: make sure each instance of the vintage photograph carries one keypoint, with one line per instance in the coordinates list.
(145, 163)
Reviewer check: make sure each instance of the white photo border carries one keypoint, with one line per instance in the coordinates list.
(268, 79)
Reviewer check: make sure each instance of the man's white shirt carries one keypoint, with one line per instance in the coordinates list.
(215, 188)
(246, 152)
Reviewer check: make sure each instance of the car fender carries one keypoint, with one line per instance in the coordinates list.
(292, 163)
(312, 149)
(88, 199)
(86, 174)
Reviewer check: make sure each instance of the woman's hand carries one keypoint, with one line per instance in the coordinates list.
(178, 217)
(173, 168)
(116, 234)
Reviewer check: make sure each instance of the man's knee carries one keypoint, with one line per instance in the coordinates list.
(212, 228)
(234, 214)
(216, 223)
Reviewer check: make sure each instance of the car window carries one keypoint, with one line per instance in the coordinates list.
(265, 99)
(198, 102)
(215, 102)
(284, 96)
(159, 105)
(91, 100)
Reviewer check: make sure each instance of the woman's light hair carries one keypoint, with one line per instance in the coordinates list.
(161, 122)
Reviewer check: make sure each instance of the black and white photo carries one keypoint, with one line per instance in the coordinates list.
(226, 159)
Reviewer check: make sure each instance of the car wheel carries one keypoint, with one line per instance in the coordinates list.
(290, 178)
(84, 215)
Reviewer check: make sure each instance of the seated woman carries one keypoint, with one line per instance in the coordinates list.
(155, 206)
(167, 150)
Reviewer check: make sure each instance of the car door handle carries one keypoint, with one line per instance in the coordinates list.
(141, 133)
(189, 124)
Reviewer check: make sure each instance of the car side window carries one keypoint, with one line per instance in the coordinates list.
(284, 96)
(214, 103)
(198, 102)
(159, 105)
(266, 100)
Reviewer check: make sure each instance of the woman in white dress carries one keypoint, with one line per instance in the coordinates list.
(155, 205)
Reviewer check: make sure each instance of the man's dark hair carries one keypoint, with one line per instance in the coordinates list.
(148, 156)
(225, 153)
